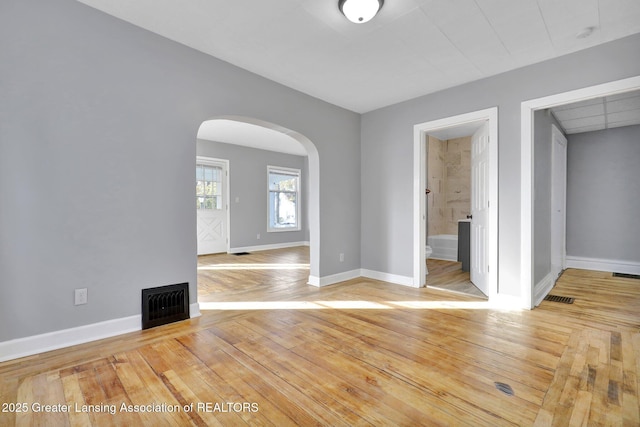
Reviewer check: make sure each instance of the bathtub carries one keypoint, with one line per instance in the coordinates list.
(443, 246)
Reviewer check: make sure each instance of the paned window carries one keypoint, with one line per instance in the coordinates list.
(284, 199)
(208, 187)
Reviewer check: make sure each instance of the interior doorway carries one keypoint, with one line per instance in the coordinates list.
(483, 126)
(267, 135)
(531, 296)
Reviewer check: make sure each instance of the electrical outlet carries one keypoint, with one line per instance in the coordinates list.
(81, 296)
(258, 236)
(341, 257)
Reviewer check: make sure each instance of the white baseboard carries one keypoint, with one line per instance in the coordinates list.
(28, 346)
(614, 266)
(360, 272)
(444, 257)
(388, 277)
(267, 247)
(35, 344)
(194, 310)
(542, 288)
(333, 278)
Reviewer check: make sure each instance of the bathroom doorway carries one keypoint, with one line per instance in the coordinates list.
(481, 208)
(453, 236)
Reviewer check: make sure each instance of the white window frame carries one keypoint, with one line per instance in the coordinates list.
(286, 171)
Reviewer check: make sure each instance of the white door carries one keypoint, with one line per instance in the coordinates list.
(211, 205)
(558, 201)
(480, 208)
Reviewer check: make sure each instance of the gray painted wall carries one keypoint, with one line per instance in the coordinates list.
(248, 183)
(387, 151)
(98, 124)
(542, 182)
(603, 194)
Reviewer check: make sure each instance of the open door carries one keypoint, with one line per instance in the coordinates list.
(558, 201)
(480, 208)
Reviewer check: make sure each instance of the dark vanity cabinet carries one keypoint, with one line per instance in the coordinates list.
(464, 244)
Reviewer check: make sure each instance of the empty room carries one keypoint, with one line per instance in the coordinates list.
(302, 287)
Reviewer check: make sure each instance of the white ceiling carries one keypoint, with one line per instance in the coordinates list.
(600, 113)
(412, 48)
(249, 135)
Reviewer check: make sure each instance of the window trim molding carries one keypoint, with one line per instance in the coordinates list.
(292, 171)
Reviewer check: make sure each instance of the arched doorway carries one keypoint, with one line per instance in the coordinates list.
(269, 136)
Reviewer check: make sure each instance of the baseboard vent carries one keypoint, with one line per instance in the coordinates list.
(626, 276)
(557, 298)
(165, 304)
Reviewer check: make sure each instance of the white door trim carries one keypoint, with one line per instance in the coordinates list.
(420, 132)
(212, 161)
(527, 161)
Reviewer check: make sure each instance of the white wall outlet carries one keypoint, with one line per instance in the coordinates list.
(258, 236)
(341, 257)
(81, 296)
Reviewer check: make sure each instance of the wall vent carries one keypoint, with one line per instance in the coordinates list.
(165, 304)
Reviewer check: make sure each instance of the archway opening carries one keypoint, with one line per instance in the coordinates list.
(260, 134)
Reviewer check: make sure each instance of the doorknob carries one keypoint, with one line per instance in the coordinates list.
(469, 216)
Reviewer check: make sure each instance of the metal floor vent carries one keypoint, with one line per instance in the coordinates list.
(241, 253)
(626, 276)
(557, 298)
(165, 304)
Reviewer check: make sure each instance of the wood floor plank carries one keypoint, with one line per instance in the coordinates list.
(358, 353)
(239, 379)
(408, 365)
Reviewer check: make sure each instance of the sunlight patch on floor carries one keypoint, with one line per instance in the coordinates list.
(241, 266)
(348, 305)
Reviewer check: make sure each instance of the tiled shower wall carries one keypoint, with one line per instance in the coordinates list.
(449, 179)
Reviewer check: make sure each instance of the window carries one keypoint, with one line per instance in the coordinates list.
(284, 199)
(208, 187)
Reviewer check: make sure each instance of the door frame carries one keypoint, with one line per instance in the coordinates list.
(527, 161)
(420, 135)
(210, 161)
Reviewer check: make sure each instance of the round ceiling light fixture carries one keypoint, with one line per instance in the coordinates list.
(360, 11)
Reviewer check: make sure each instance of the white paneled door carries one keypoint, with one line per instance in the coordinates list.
(211, 205)
(558, 201)
(480, 208)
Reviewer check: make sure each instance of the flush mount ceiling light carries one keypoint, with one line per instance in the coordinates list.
(360, 11)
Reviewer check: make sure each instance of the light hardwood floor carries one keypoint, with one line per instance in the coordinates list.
(448, 276)
(362, 352)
